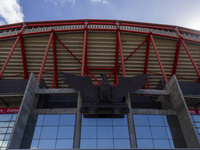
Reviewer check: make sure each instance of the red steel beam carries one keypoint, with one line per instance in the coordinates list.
(121, 53)
(159, 61)
(176, 57)
(55, 62)
(11, 52)
(94, 77)
(68, 49)
(116, 61)
(191, 59)
(24, 58)
(45, 57)
(86, 54)
(84, 51)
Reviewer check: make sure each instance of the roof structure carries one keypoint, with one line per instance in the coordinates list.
(90, 47)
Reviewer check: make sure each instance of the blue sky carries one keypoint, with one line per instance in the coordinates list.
(185, 13)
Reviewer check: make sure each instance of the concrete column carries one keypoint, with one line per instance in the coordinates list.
(185, 120)
(28, 102)
(77, 134)
(132, 136)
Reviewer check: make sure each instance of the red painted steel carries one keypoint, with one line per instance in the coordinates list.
(55, 62)
(158, 57)
(84, 50)
(116, 61)
(11, 52)
(191, 59)
(11, 27)
(176, 57)
(94, 77)
(68, 50)
(147, 59)
(24, 58)
(100, 68)
(55, 24)
(45, 57)
(85, 67)
(121, 53)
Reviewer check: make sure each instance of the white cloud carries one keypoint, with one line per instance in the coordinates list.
(100, 1)
(11, 11)
(61, 2)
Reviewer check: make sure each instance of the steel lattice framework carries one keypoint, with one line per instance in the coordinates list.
(90, 47)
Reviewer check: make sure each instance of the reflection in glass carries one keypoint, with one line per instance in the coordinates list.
(163, 144)
(54, 131)
(47, 144)
(5, 117)
(156, 120)
(145, 143)
(104, 133)
(141, 120)
(159, 132)
(143, 132)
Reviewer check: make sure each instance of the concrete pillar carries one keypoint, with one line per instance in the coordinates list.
(77, 134)
(131, 123)
(28, 102)
(185, 120)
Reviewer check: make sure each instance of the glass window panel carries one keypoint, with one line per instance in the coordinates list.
(144, 143)
(104, 143)
(104, 132)
(4, 144)
(3, 130)
(141, 120)
(5, 117)
(165, 120)
(37, 132)
(121, 143)
(163, 144)
(198, 130)
(7, 137)
(89, 121)
(47, 144)
(169, 133)
(159, 132)
(88, 132)
(2, 136)
(120, 121)
(49, 132)
(196, 118)
(121, 132)
(34, 144)
(9, 130)
(197, 125)
(1, 143)
(171, 143)
(156, 120)
(88, 144)
(143, 132)
(40, 120)
(67, 119)
(14, 116)
(4, 124)
(51, 120)
(64, 144)
(11, 124)
(66, 132)
(104, 121)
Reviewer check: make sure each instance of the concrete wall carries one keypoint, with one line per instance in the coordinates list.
(28, 103)
(185, 120)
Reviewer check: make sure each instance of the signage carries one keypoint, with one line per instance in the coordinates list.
(9, 110)
(194, 111)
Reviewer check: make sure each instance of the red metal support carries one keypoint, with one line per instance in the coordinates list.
(187, 51)
(176, 57)
(24, 58)
(121, 53)
(116, 60)
(84, 51)
(11, 52)
(55, 62)
(45, 56)
(86, 54)
(158, 57)
(147, 58)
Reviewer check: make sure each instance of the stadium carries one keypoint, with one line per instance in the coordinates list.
(39, 111)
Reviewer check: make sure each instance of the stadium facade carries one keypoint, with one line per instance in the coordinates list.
(38, 111)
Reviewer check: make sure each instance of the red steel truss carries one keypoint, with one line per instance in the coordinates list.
(119, 48)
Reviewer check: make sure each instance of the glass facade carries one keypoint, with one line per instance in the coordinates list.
(196, 120)
(153, 131)
(54, 132)
(104, 133)
(6, 125)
